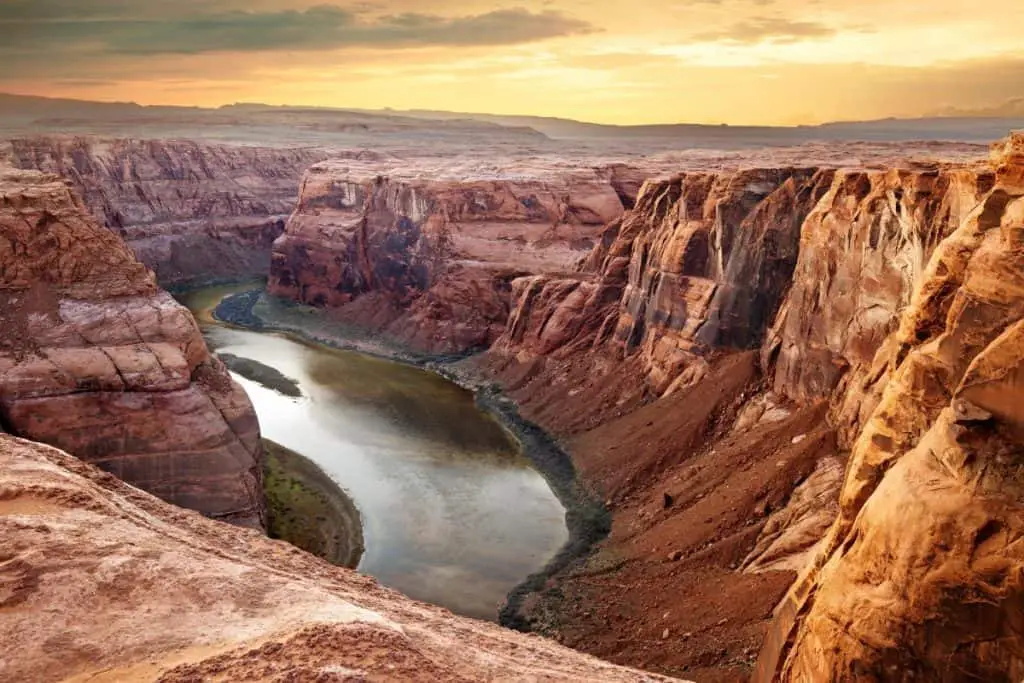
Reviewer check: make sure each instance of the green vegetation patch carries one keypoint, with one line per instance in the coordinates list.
(308, 509)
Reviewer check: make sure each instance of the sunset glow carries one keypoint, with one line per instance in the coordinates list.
(703, 61)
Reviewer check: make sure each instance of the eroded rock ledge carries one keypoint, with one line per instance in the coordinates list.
(136, 589)
(97, 360)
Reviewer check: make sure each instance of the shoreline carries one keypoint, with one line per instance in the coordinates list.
(310, 510)
(586, 518)
(264, 375)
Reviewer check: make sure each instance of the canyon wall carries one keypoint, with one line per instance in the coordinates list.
(882, 307)
(702, 262)
(810, 265)
(921, 572)
(134, 589)
(192, 212)
(97, 360)
(429, 262)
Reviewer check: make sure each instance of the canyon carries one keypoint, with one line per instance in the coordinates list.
(725, 349)
(717, 420)
(193, 213)
(427, 251)
(792, 376)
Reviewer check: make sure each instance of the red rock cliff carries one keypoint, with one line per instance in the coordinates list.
(134, 589)
(430, 262)
(702, 262)
(192, 212)
(884, 306)
(97, 360)
(920, 575)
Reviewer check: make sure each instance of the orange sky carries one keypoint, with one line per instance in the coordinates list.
(706, 61)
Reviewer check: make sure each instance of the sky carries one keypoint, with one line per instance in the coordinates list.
(777, 62)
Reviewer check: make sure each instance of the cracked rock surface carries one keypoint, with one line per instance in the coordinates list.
(97, 360)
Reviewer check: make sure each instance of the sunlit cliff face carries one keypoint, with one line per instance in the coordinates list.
(710, 61)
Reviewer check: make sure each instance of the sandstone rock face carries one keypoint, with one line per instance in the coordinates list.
(97, 360)
(136, 589)
(430, 261)
(714, 269)
(891, 299)
(921, 572)
(191, 212)
(813, 265)
(863, 250)
(702, 262)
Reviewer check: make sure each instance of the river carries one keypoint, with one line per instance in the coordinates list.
(453, 514)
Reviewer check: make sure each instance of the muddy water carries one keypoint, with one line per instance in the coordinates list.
(452, 512)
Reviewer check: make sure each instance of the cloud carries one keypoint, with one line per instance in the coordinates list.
(30, 11)
(110, 27)
(767, 29)
(1012, 108)
(84, 83)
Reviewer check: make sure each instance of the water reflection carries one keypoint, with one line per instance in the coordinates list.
(453, 514)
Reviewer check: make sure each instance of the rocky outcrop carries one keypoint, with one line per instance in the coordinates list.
(160, 593)
(864, 250)
(192, 212)
(879, 298)
(921, 572)
(429, 262)
(98, 361)
(791, 536)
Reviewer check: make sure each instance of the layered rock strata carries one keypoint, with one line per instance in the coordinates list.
(192, 212)
(702, 262)
(429, 262)
(921, 572)
(97, 360)
(135, 589)
(877, 300)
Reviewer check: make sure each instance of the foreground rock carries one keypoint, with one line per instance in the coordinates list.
(192, 212)
(97, 360)
(163, 594)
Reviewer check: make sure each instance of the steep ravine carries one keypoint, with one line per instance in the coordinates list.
(709, 365)
(714, 359)
(585, 518)
(102, 582)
